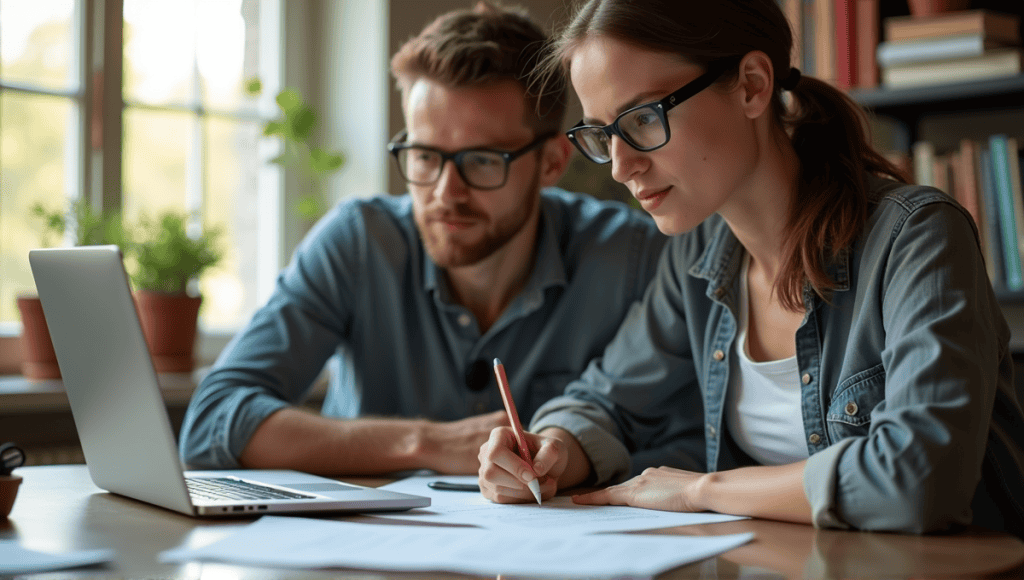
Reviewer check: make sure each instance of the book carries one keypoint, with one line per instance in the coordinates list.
(1009, 227)
(966, 189)
(941, 166)
(992, 25)
(824, 40)
(808, 30)
(993, 64)
(991, 231)
(922, 154)
(937, 48)
(845, 43)
(867, 17)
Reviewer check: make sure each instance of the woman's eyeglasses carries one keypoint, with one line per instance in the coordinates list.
(643, 127)
(479, 168)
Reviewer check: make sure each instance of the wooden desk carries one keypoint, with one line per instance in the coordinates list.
(58, 508)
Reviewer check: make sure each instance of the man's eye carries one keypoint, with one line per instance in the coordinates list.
(482, 160)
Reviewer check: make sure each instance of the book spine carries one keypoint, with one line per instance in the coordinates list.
(992, 232)
(867, 16)
(845, 43)
(1007, 219)
(793, 10)
(824, 40)
(809, 27)
(1016, 193)
(943, 48)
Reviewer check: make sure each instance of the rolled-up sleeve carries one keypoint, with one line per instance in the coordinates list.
(945, 341)
(642, 392)
(274, 361)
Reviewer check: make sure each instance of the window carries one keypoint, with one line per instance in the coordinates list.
(188, 138)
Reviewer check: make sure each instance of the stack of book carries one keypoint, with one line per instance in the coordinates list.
(950, 47)
(985, 176)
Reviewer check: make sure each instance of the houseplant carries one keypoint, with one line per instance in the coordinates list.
(296, 128)
(164, 259)
(88, 227)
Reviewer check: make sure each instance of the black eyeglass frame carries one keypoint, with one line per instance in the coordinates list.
(660, 107)
(398, 144)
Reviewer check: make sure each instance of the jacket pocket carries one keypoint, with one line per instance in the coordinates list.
(849, 413)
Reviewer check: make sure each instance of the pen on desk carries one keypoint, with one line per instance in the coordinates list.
(449, 486)
(517, 427)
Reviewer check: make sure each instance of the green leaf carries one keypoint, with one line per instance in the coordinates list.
(324, 162)
(254, 86)
(289, 100)
(309, 207)
(301, 122)
(274, 128)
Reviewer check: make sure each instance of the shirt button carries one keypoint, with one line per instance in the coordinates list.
(814, 438)
(465, 319)
(711, 430)
(719, 355)
(851, 408)
(806, 378)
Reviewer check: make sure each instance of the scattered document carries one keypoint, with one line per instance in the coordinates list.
(14, 559)
(556, 514)
(292, 542)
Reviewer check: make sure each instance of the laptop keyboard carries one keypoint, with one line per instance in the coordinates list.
(223, 488)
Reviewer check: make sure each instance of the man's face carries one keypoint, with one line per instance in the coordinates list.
(461, 225)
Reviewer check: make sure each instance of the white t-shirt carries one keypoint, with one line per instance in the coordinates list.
(763, 401)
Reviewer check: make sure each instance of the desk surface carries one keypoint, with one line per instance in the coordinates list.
(58, 508)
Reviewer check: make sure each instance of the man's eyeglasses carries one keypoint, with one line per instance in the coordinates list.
(479, 168)
(644, 127)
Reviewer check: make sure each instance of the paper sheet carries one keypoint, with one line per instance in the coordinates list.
(308, 543)
(14, 559)
(558, 513)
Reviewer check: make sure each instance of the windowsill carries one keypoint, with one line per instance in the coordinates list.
(22, 395)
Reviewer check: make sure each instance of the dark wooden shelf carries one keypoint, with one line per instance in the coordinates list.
(960, 96)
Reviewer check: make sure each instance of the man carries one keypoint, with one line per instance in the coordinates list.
(417, 294)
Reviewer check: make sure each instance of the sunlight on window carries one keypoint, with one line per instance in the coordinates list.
(37, 43)
(32, 170)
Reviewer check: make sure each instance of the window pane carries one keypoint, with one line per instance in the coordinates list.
(225, 59)
(159, 51)
(33, 168)
(37, 43)
(156, 148)
(229, 290)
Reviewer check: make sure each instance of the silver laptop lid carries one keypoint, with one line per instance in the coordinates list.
(108, 374)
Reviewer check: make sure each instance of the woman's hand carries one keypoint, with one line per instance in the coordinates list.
(504, 475)
(661, 488)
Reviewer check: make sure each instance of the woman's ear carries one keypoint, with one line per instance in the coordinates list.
(756, 83)
(554, 159)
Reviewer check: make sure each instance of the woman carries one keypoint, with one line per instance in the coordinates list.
(821, 336)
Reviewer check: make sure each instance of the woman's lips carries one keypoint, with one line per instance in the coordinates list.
(651, 199)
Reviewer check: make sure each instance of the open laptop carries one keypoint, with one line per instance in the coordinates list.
(119, 412)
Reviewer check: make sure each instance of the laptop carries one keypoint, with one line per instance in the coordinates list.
(122, 422)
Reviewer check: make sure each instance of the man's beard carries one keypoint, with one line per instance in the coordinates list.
(449, 252)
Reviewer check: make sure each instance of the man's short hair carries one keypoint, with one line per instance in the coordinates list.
(480, 46)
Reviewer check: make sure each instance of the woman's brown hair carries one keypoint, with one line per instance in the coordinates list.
(827, 128)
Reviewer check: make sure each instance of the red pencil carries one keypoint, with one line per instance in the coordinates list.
(517, 427)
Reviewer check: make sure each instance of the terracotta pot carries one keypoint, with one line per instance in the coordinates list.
(8, 491)
(169, 324)
(932, 7)
(38, 359)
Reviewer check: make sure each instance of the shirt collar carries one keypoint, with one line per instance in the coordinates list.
(722, 258)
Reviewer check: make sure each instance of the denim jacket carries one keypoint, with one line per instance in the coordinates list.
(911, 417)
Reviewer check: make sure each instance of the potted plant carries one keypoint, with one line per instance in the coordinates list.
(164, 260)
(296, 128)
(89, 227)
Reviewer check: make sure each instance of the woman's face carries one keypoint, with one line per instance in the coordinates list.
(711, 154)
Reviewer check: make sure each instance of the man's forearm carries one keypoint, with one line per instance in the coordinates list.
(295, 439)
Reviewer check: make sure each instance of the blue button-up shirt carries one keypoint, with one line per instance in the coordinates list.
(907, 394)
(362, 287)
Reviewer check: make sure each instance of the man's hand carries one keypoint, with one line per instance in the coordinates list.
(453, 447)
